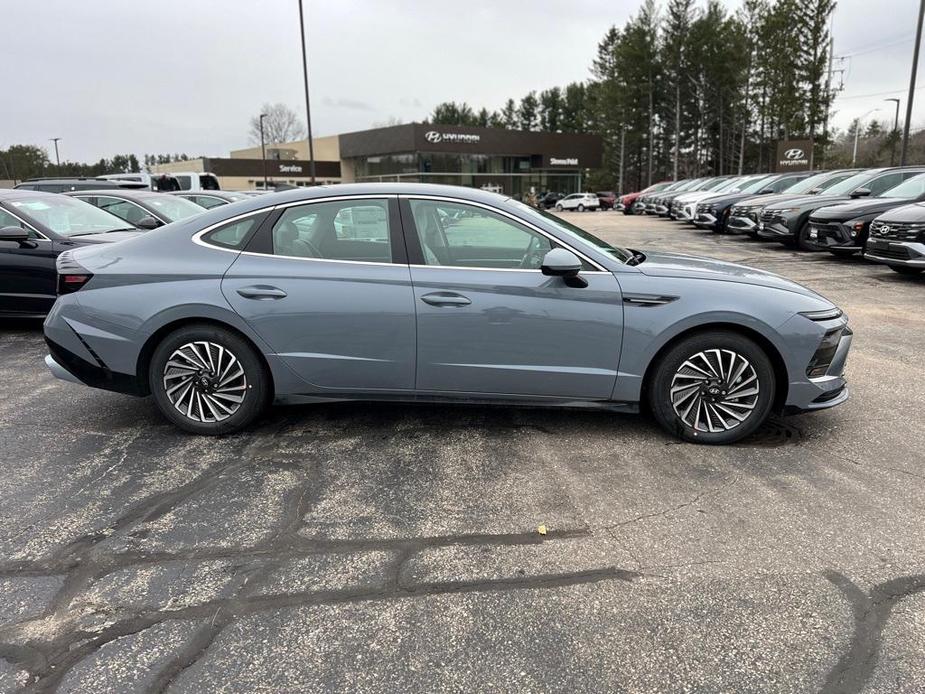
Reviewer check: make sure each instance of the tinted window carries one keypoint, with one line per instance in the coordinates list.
(208, 182)
(172, 207)
(8, 220)
(911, 188)
(356, 230)
(884, 183)
(233, 235)
(457, 235)
(123, 209)
(67, 216)
(208, 202)
(185, 182)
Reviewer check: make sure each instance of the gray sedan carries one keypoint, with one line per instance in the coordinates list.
(436, 294)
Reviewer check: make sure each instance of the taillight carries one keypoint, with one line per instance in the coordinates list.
(71, 274)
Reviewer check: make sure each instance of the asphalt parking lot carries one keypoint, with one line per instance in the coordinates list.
(388, 548)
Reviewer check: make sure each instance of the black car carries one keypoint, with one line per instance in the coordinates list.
(713, 212)
(842, 229)
(744, 217)
(64, 185)
(897, 239)
(788, 222)
(212, 198)
(548, 200)
(143, 209)
(35, 228)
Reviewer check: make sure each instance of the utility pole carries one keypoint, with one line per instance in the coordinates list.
(915, 65)
(894, 132)
(57, 158)
(622, 145)
(263, 151)
(308, 109)
(677, 125)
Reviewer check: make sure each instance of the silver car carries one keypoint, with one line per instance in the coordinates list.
(439, 294)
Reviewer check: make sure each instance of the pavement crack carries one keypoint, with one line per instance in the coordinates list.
(673, 509)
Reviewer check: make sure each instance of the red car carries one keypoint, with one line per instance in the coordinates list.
(608, 199)
(626, 201)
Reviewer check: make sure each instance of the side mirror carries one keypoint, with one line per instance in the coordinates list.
(860, 192)
(560, 263)
(815, 191)
(765, 191)
(17, 234)
(148, 222)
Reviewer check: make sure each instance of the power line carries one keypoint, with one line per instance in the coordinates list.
(887, 42)
(864, 96)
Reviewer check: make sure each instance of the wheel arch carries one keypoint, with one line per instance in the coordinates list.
(153, 340)
(781, 376)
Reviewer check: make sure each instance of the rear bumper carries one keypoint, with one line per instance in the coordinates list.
(71, 367)
(59, 371)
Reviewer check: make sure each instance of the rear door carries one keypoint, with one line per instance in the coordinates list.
(326, 284)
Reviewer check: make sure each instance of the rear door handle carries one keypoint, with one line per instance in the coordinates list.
(446, 299)
(262, 292)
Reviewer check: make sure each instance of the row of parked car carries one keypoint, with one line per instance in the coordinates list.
(876, 213)
(41, 218)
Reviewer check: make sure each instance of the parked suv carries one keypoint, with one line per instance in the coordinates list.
(788, 222)
(163, 183)
(607, 198)
(897, 239)
(744, 217)
(63, 185)
(579, 201)
(712, 212)
(141, 208)
(842, 229)
(625, 205)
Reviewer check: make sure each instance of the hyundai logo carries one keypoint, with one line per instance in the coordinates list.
(885, 229)
(794, 154)
(433, 136)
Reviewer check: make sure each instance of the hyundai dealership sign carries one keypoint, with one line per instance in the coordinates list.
(794, 155)
(435, 136)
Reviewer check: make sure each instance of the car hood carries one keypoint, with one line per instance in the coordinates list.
(727, 198)
(110, 237)
(766, 200)
(859, 208)
(811, 201)
(907, 214)
(695, 196)
(659, 264)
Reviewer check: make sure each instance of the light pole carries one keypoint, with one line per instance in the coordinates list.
(857, 132)
(915, 65)
(57, 158)
(308, 108)
(895, 130)
(263, 151)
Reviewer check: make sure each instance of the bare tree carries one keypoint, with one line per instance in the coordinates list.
(281, 124)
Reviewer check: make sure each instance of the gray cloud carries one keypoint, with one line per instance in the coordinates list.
(180, 76)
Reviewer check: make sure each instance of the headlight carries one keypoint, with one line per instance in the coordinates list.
(856, 226)
(786, 210)
(824, 314)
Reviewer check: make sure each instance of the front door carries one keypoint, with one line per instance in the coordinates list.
(27, 271)
(489, 321)
(327, 286)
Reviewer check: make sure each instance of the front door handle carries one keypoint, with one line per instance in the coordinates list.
(262, 292)
(446, 299)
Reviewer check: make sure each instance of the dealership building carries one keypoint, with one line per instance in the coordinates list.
(513, 162)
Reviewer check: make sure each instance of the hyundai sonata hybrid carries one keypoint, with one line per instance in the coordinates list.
(435, 294)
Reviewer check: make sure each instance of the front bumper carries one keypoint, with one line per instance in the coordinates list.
(741, 225)
(900, 253)
(775, 230)
(705, 220)
(833, 236)
(824, 391)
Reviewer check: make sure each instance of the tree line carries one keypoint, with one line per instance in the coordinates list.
(689, 89)
(19, 162)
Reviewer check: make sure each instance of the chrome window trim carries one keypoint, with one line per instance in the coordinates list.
(23, 221)
(129, 201)
(197, 237)
(517, 219)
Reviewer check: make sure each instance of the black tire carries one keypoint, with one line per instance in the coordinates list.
(660, 401)
(581, 208)
(255, 383)
(903, 270)
(558, 208)
(804, 242)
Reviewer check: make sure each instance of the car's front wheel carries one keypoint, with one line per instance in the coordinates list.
(208, 380)
(558, 208)
(713, 387)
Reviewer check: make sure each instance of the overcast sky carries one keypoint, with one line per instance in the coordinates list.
(109, 76)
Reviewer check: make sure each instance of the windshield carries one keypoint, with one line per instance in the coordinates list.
(667, 185)
(850, 183)
(173, 208)
(726, 185)
(68, 216)
(711, 183)
(757, 184)
(576, 233)
(820, 180)
(912, 188)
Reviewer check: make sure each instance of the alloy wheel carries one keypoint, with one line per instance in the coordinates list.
(714, 390)
(204, 381)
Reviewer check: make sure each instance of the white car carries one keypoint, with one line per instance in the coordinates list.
(579, 201)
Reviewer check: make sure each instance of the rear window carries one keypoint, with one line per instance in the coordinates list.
(208, 182)
(234, 236)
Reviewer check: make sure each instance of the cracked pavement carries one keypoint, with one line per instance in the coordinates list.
(380, 548)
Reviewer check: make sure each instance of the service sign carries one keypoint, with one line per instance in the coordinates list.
(794, 155)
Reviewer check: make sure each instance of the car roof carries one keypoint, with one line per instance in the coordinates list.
(14, 194)
(139, 193)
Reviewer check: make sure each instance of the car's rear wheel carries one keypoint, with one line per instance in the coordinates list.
(208, 380)
(713, 387)
(903, 270)
(581, 208)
